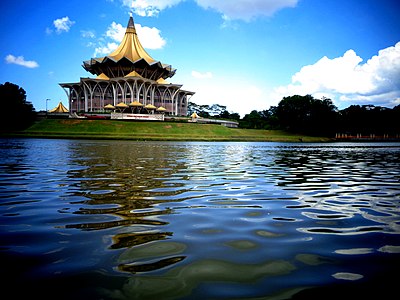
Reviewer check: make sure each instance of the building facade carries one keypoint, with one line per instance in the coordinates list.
(129, 75)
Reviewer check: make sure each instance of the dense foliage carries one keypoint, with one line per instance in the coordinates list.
(305, 114)
(212, 111)
(17, 113)
(370, 119)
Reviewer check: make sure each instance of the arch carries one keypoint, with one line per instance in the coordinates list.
(147, 93)
(141, 92)
(97, 97)
(119, 93)
(87, 90)
(158, 97)
(128, 91)
(108, 94)
(74, 96)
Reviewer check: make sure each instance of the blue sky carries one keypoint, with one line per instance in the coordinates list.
(245, 54)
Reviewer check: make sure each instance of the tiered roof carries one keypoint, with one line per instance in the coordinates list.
(60, 108)
(130, 58)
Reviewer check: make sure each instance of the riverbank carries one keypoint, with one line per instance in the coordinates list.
(157, 131)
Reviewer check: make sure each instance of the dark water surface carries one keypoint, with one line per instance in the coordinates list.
(165, 220)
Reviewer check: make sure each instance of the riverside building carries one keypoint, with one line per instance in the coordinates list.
(129, 82)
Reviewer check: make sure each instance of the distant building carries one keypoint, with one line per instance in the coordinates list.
(130, 76)
(60, 108)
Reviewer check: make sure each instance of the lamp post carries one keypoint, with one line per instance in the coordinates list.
(46, 106)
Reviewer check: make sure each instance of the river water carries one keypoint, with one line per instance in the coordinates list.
(198, 220)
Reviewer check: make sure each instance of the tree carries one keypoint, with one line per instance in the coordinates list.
(228, 116)
(17, 113)
(253, 120)
(234, 116)
(307, 115)
(394, 120)
(369, 119)
(272, 118)
(214, 110)
(201, 110)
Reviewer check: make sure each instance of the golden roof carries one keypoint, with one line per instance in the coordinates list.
(122, 105)
(133, 74)
(102, 76)
(150, 106)
(162, 81)
(135, 103)
(109, 106)
(130, 59)
(60, 108)
(131, 47)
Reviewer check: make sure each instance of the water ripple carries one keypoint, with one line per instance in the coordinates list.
(207, 220)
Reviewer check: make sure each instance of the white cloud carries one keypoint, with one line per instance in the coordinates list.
(150, 38)
(236, 93)
(230, 10)
(116, 32)
(346, 78)
(20, 60)
(246, 9)
(200, 75)
(105, 50)
(88, 34)
(149, 8)
(63, 24)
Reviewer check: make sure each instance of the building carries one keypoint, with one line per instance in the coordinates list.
(128, 77)
(60, 108)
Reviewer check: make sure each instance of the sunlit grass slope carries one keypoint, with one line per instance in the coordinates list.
(167, 131)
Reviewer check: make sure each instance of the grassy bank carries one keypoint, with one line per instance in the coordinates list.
(161, 131)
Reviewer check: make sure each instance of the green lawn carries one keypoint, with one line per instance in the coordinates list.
(167, 131)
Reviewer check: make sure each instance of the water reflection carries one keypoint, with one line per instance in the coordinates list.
(185, 279)
(123, 187)
(208, 220)
(344, 185)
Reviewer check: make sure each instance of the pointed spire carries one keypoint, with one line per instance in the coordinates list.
(131, 26)
(130, 46)
(134, 57)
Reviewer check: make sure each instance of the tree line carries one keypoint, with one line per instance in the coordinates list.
(299, 114)
(17, 113)
(308, 115)
(216, 111)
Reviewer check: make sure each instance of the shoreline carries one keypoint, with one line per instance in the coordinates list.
(305, 139)
(289, 139)
(164, 131)
(154, 131)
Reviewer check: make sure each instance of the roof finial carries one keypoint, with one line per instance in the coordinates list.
(131, 24)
